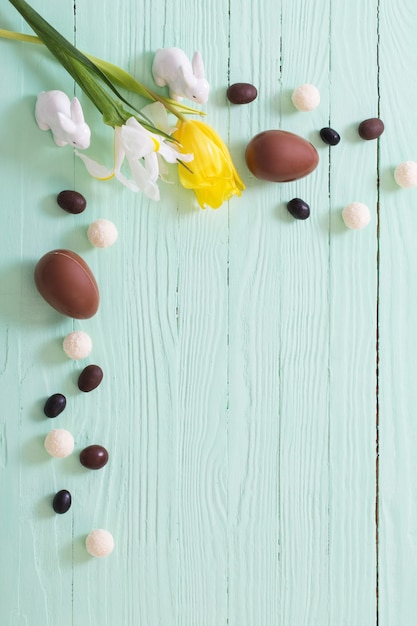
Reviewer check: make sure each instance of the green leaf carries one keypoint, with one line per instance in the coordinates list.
(126, 80)
(73, 61)
(118, 76)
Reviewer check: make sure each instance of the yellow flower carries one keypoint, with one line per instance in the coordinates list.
(212, 174)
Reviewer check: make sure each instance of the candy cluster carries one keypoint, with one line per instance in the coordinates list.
(280, 156)
(66, 283)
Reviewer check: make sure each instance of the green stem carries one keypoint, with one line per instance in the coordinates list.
(119, 76)
(10, 34)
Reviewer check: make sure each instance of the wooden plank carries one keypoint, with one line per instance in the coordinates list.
(353, 95)
(173, 327)
(254, 333)
(278, 494)
(397, 335)
(32, 171)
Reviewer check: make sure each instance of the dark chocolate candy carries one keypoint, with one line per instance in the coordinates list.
(90, 378)
(54, 405)
(241, 93)
(371, 129)
(330, 136)
(94, 457)
(298, 209)
(71, 201)
(62, 501)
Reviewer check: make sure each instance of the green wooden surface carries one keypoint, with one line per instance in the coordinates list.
(254, 365)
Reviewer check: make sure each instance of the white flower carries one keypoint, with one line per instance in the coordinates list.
(144, 151)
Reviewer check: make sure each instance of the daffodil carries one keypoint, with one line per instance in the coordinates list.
(142, 138)
(144, 145)
(212, 175)
(144, 151)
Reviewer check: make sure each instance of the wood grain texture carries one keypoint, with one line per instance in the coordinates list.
(397, 391)
(353, 310)
(241, 400)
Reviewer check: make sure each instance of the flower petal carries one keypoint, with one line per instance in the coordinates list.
(137, 141)
(156, 113)
(142, 179)
(172, 155)
(151, 166)
(126, 182)
(119, 151)
(212, 174)
(94, 168)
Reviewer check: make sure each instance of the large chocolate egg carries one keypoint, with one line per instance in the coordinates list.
(66, 282)
(280, 156)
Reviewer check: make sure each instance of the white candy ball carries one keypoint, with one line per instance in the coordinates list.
(102, 233)
(356, 215)
(77, 345)
(306, 97)
(59, 443)
(99, 543)
(406, 174)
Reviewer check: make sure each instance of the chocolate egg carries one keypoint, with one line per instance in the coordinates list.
(241, 93)
(298, 209)
(66, 282)
(54, 405)
(94, 457)
(90, 378)
(371, 129)
(62, 501)
(280, 156)
(71, 201)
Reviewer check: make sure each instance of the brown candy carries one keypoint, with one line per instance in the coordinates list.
(94, 457)
(241, 93)
(280, 156)
(371, 129)
(66, 282)
(71, 201)
(90, 378)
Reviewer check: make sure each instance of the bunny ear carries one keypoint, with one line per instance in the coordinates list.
(66, 123)
(198, 65)
(186, 74)
(76, 111)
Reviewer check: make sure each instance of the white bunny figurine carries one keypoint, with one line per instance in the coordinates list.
(54, 111)
(185, 80)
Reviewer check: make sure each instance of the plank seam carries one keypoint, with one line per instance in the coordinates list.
(329, 313)
(229, 49)
(377, 319)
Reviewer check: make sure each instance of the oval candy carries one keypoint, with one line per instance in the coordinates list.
(280, 156)
(371, 128)
(62, 501)
(71, 201)
(54, 405)
(90, 378)
(298, 209)
(94, 457)
(66, 282)
(330, 136)
(241, 93)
